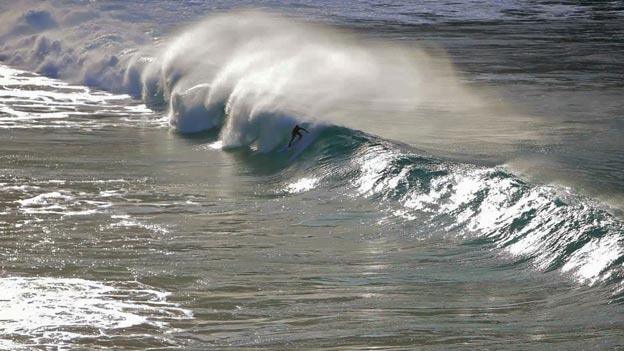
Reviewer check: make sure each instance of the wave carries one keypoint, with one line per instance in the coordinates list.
(252, 76)
(550, 226)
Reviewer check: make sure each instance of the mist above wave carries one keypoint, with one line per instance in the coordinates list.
(259, 69)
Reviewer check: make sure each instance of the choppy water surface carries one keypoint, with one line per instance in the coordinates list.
(118, 233)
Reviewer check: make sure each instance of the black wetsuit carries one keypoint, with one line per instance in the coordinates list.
(296, 132)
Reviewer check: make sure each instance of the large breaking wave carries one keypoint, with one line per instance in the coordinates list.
(251, 76)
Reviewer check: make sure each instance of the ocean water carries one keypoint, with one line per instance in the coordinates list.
(460, 187)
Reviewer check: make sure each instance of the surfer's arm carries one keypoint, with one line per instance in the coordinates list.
(305, 130)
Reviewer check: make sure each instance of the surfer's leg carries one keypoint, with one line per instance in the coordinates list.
(294, 138)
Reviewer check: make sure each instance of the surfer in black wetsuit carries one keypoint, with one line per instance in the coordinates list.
(296, 132)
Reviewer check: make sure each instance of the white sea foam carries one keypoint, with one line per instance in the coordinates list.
(63, 202)
(55, 312)
(46, 199)
(127, 222)
(217, 145)
(302, 185)
(32, 101)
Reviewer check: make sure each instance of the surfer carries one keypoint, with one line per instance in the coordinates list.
(296, 132)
